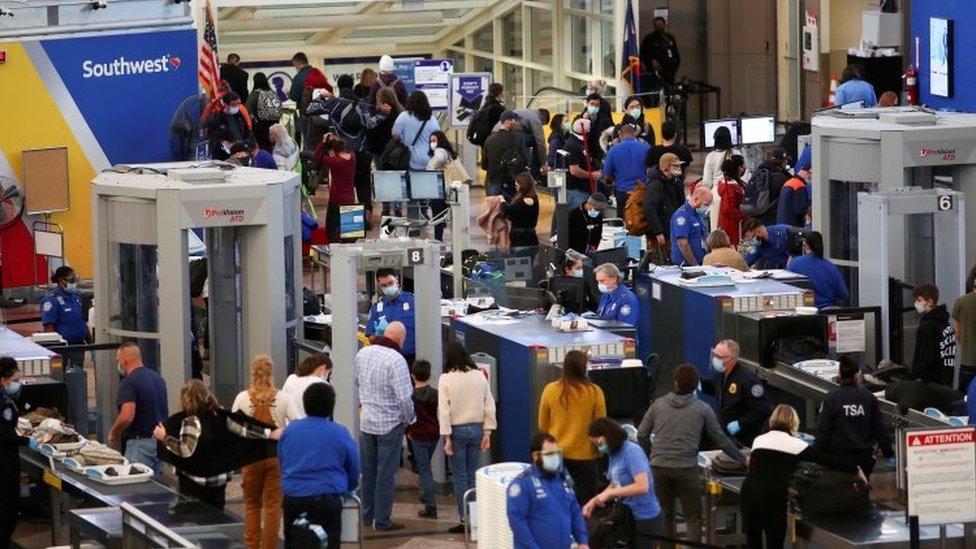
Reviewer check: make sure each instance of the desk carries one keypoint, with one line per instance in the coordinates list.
(529, 353)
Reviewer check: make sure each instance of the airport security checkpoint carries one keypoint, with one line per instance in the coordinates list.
(450, 307)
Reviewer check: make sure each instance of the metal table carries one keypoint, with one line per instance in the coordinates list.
(722, 496)
(102, 524)
(876, 530)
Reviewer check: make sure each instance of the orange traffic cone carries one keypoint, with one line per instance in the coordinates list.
(832, 96)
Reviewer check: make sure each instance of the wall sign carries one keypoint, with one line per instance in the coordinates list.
(940, 56)
(466, 94)
(941, 468)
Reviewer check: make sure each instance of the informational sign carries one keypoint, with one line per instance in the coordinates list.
(940, 56)
(431, 76)
(941, 468)
(352, 221)
(810, 44)
(403, 69)
(467, 93)
(851, 335)
(661, 12)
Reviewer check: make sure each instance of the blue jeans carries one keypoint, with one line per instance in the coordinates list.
(466, 441)
(143, 450)
(423, 452)
(380, 456)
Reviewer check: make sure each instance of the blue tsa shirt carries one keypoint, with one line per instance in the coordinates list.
(63, 309)
(686, 223)
(619, 305)
(385, 311)
(774, 252)
(543, 512)
(625, 163)
(828, 284)
(318, 458)
(625, 464)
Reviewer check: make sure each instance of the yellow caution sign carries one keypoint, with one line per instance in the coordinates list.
(714, 488)
(52, 480)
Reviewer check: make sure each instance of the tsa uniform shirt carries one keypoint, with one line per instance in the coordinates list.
(774, 252)
(63, 309)
(686, 223)
(619, 305)
(401, 309)
(543, 512)
(742, 397)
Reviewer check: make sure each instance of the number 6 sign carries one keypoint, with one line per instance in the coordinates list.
(945, 203)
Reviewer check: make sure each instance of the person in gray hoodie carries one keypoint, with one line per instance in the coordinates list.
(676, 422)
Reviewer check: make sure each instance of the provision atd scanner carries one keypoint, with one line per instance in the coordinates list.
(250, 221)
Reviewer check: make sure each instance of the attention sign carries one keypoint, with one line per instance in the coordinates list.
(941, 467)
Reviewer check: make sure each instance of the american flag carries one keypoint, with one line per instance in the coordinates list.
(209, 72)
(631, 60)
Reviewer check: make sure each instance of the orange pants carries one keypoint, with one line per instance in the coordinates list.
(262, 493)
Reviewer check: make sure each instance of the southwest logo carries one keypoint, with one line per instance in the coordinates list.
(127, 67)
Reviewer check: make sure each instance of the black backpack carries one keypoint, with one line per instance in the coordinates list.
(480, 127)
(611, 527)
(817, 490)
(512, 163)
(396, 155)
(269, 107)
(755, 202)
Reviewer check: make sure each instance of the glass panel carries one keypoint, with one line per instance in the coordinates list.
(605, 7)
(586, 5)
(290, 308)
(512, 34)
(483, 65)
(458, 58)
(134, 305)
(512, 80)
(580, 40)
(607, 61)
(541, 47)
(539, 80)
(484, 39)
(843, 217)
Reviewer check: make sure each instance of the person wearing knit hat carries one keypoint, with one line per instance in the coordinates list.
(663, 195)
(387, 79)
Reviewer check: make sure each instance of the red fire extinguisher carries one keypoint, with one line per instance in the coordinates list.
(911, 86)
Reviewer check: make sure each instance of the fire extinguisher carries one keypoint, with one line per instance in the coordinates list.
(911, 86)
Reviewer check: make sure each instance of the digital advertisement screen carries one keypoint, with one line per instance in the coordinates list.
(940, 57)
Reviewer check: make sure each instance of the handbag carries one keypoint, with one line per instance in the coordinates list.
(396, 155)
(454, 171)
(611, 527)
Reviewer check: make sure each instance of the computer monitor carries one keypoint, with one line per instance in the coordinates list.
(426, 185)
(709, 127)
(352, 221)
(569, 291)
(617, 256)
(758, 129)
(390, 186)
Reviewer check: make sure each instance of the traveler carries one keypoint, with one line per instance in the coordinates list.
(414, 126)
(597, 111)
(388, 80)
(543, 512)
(442, 154)
(226, 126)
(731, 190)
(935, 340)
(485, 121)
(340, 163)
(853, 90)
(712, 170)
(523, 212)
(265, 109)
(964, 323)
(829, 288)
(235, 76)
(285, 150)
(566, 409)
(379, 135)
(559, 130)
(672, 429)
(721, 253)
(688, 228)
(366, 79)
(669, 144)
(630, 482)
(742, 401)
(466, 412)
(424, 435)
(262, 480)
(315, 368)
(504, 156)
(582, 171)
(665, 193)
(142, 405)
(530, 128)
(624, 164)
(633, 116)
(775, 174)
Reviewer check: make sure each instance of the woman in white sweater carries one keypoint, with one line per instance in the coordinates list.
(316, 368)
(262, 480)
(712, 170)
(466, 411)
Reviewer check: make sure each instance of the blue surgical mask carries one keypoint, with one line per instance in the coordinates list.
(702, 210)
(604, 289)
(603, 448)
(593, 213)
(552, 463)
(71, 286)
(717, 364)
(593, 111)
(567, 127)
(578, 273)
(234, 110)
(391, 291)
(635, 113)
(13, 389)
(118, 368)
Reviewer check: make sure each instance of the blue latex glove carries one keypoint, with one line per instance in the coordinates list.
(733, 428)
(381, 326)
(33, 444)
(889, 463)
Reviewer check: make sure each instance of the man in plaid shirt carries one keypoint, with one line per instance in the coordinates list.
(386, 398)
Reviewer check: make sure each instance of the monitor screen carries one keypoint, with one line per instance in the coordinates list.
(390, 186)
(709, 127)
(758, 129)
(570, 292)
(427, 185)
(617, 256)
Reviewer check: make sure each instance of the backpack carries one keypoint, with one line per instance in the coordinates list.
(817, 490)
(396, 154)
(512, 163)
(611, 526)
(269, 107)
(634, 219)
(755, 202)
(480, 126)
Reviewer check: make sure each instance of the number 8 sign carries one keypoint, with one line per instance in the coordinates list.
(415, 256)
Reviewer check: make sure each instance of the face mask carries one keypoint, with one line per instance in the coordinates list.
(433, 145)
(234, 110)
(552, 463)
(920, 307)
(702, 210)
(71, 286)
(578, 273)
(676, 172)
(717, 364)
(118, 367)
(391, 291)
(635, 113)
(13, 389)
(593, 111)
(604, 289)
(327, 377)
(226, 148)
(603, 448)
(593, 213)
(567, 127)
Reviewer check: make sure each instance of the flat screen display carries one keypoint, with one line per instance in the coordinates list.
(709, 127)
(427, 185)
(390, 186)
(758, 129)
(940, 56)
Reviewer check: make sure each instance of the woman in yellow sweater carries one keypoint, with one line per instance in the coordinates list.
(567, 408)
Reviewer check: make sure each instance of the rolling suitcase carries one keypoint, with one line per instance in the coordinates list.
(817, 490)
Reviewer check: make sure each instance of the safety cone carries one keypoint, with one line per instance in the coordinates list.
(832, 96)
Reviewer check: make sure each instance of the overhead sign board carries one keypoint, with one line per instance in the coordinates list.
(941, 468)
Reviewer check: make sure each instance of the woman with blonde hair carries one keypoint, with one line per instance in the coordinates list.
(775, 456)
(566, 410)
(262, 480)
(721, 253)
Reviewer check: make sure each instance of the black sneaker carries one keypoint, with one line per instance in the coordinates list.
(459, 529)
(428, 513)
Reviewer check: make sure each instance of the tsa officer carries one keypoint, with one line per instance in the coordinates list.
(617, 302)
(688, 229)
(769, 246)
(542, 507)
(61, 312)
(10, 442)
(394, 305)
(743, 405)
